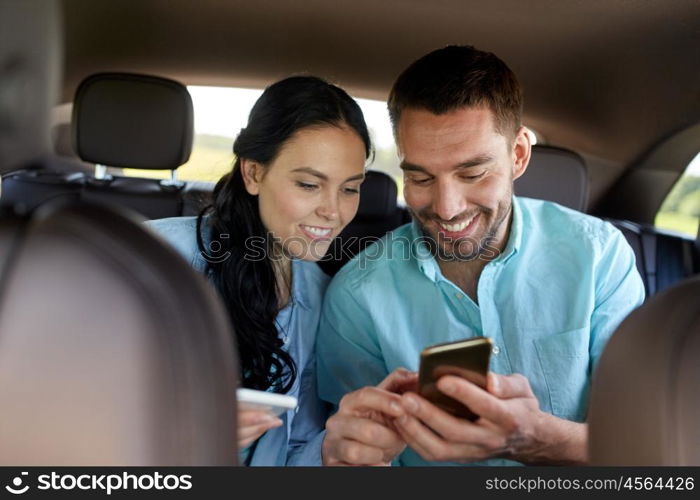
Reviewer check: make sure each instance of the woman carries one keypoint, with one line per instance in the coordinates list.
(293, 187)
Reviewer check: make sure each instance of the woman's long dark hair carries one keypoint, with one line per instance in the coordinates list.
(249, 286)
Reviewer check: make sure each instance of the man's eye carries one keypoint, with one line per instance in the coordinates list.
(306, 186)
(473, 177)
(420, 180)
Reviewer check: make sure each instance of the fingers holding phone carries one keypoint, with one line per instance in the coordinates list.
(507, 422)
(361, 432)
(254, 423)
(440, 424)
(400, 381)
(258, 412)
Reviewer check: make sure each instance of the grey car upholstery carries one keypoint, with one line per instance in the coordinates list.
(645, 398)
(113, 351)
(28, 79)
(555, 174)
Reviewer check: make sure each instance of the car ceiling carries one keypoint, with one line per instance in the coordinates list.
(606, 78)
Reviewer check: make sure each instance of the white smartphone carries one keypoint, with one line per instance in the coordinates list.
(276, 404)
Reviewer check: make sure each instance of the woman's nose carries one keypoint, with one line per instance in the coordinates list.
(328, 209)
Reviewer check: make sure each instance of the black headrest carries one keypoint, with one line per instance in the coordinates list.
(30, 69)
(555, 174)
(137, 121)
(377, 195)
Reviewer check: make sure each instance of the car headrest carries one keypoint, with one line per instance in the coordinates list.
(30, 69)
(555, 174)
(645, 397)
(133, 121)
(114, 350)
(62, 140)
(377, 195)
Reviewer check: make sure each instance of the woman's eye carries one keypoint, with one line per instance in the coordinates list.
(306, 186)
(351, 190)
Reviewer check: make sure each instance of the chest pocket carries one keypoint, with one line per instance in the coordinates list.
(564, 361)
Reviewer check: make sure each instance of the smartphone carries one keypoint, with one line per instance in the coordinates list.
(467, 358)
(275, 404)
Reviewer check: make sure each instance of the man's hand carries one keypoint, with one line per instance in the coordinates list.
(361, 431)
(510, 425)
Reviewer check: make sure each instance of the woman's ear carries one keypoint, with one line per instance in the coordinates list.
(252, 173)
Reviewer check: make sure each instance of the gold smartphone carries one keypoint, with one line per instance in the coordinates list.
(467, 358)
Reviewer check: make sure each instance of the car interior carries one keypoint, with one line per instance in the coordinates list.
(611, 93)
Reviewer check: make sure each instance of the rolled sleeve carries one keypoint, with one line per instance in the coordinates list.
(619, 290)
(307, 431)
(349, 356)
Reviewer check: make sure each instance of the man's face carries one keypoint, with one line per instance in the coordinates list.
(458, 177)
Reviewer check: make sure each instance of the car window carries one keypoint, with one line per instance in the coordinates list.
(221, 112)
(680, 210)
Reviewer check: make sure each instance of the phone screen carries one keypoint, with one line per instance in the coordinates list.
(468, 358)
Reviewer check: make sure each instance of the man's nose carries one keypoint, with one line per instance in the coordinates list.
(448, 199)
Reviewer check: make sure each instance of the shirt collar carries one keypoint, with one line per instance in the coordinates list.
(300, 287)
(515, 238)
(425, 260)
(429, 266)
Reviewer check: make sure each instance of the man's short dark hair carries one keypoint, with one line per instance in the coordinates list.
(456, 77)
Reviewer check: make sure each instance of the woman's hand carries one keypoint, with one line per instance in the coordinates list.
(252, 424)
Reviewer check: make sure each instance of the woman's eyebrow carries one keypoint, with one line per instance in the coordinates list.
(358, 177)
(311, 171)
(322, 176)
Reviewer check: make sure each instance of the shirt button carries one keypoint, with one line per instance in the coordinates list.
(496, 350)
(459, 296)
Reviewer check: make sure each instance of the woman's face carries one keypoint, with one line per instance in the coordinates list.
(311, 190)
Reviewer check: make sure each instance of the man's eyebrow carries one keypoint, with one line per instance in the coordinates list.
(472, 162)
(476, 161)
(410, 167)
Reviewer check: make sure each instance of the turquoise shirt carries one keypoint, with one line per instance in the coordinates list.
(298, 440)
(549, 302)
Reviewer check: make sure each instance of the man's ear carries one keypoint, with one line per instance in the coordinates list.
(522, 148)
(252, 173)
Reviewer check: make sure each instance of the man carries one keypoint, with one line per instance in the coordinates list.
(547, 284)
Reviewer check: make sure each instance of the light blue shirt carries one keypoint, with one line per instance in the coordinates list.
(298, 440)
(549, 302)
